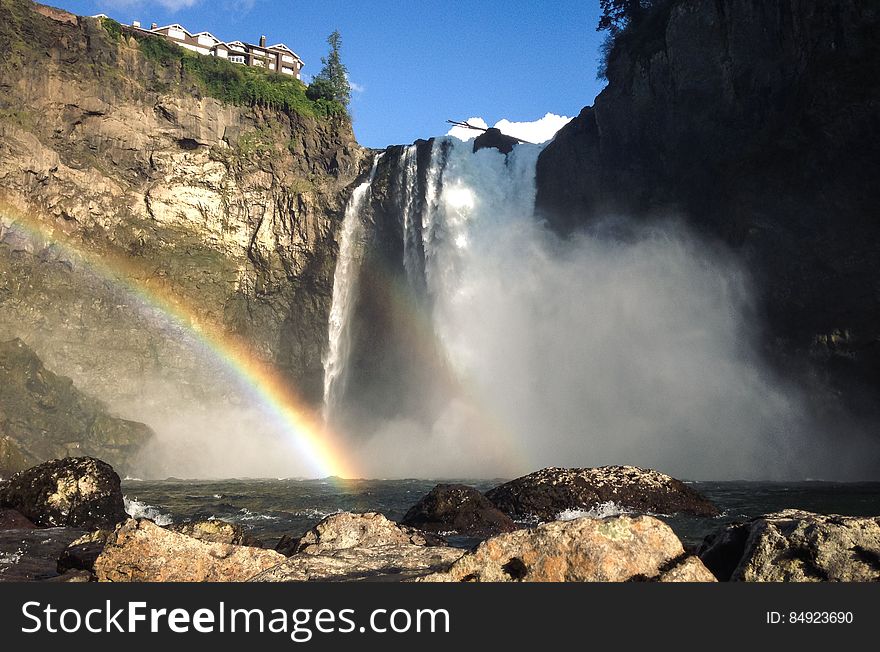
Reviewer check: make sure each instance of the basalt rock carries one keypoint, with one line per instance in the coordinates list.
(616, 549)
(141, 551)
(544, 494)
(458, 508)
(75, 492)
(755, 123)
(493, 137)
(796, 546)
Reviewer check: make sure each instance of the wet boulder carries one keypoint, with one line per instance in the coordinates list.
(544, 494)
(79, 492)
(616, 549)
(357, 547)
(141, 551)
(458, 508)
(796, 546)
(368, 530)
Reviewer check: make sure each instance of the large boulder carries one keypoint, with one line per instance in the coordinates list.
(544, 494)
(796, 546)
(390, 562)
(348, 547)
(495, 138)
(616, 549)
(141, 551)
(458, 508)
(75, 492)
(215, 531)
(368, 530)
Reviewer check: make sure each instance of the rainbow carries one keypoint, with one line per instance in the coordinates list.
(324, 450)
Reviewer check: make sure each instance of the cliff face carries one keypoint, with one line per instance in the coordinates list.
(232, 210)
(43, 416)
(758, 122)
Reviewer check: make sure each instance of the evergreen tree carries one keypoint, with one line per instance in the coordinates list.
(617, 14)
(332, 82)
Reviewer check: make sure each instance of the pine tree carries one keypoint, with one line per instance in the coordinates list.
(333, 78)
(617, 14)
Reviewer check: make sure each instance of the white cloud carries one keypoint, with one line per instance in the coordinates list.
(356, 88)
(537, 131)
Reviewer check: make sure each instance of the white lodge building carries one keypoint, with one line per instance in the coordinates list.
(276, 58)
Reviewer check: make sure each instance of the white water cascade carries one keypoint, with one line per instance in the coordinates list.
(344, 289)
(628, 344)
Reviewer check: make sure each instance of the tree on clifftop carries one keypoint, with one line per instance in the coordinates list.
(617, 14)
(332, 82)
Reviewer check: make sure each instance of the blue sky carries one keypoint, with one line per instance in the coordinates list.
(414, 64)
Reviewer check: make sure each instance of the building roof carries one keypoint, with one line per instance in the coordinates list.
(173, 26)
(281, 46)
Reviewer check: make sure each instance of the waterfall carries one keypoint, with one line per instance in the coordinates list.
(344, 290)
(411, 234)
(473, 200)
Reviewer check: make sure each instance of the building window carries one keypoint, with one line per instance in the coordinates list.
(236, 58)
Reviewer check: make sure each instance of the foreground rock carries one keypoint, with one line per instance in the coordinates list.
(32, 555)
(368, 530)
(44, 416)
(10, 519)
(617, 549)
(75, 492)
(458, 508)
(81, 554)
(796, 546)
(393, 562)
(348, 547)
(214, 531)
(141, 551)
(544, 494)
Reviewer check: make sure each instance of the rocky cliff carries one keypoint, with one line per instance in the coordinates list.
(231, 209)
(758, 122)
(43, 416)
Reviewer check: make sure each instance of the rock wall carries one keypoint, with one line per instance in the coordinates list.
(758, 123)
(230, 210)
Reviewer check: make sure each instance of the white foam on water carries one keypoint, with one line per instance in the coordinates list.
(602, 510)
(137, 509)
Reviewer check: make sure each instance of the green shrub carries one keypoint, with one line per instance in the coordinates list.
(239, 84)
(113, 28)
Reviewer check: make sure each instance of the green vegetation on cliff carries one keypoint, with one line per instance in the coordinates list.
(237, 84)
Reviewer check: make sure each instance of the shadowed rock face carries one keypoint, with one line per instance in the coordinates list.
(493, 138)
(616, 549)
(74, 492)
(757, 123)
(796, 546)
(544, 494)
(458, 508)
(44, 416)
(216, 531)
